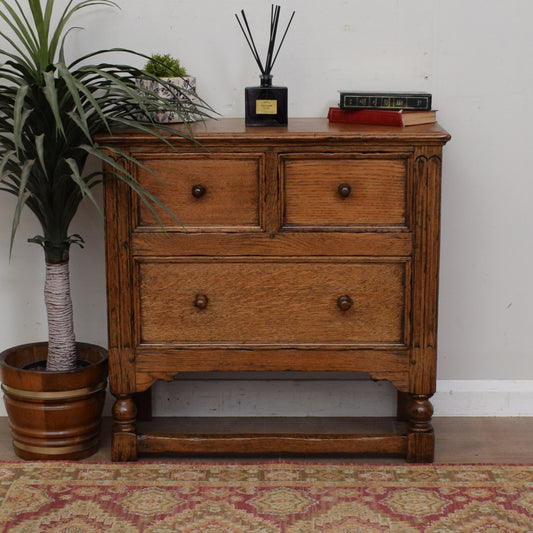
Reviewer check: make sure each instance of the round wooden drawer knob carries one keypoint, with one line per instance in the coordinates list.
(344, 189)
(344, 302)
(198, 191)
(201, 301)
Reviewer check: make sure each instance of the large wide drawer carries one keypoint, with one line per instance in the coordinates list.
(344, 190)
(203, 191)
(244, 302)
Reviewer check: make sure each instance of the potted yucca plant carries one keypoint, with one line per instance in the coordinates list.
(50, 109)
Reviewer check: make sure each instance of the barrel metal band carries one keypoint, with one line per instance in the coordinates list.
(53, 395)
(56, 450)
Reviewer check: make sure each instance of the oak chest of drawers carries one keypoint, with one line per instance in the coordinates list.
(308, 248)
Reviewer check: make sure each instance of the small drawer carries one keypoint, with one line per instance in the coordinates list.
(339, 190)
(241, 302)
(204, 192)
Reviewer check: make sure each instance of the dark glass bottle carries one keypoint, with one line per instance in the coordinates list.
(265, 105)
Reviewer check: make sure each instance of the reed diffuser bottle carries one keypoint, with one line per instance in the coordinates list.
(266, 105)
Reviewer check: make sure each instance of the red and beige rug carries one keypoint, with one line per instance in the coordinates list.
(264, 497)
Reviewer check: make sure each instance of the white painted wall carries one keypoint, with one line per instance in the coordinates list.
(475, 56)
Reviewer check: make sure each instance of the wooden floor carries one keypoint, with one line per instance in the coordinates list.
(458, 440)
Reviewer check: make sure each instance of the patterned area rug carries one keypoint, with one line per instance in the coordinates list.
(264, 497)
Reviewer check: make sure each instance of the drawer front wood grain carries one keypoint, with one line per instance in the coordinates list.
(338, 190)
(204, 191)
(271, 302)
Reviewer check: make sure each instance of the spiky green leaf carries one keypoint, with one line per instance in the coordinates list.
(21, 199)
(50, 92)
(19, 116)
(80, 182)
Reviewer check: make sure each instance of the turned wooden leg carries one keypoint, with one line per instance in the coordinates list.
(124, 445)
(421, 439)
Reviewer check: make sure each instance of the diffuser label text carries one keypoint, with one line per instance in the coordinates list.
(266, 107)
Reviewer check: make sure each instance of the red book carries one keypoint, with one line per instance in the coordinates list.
(381, 117)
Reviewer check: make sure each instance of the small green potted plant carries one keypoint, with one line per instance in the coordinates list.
(164, 69)
(50, 109)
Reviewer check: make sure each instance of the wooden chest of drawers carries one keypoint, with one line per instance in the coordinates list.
(308, 248)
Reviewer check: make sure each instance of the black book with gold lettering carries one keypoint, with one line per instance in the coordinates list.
(384, 100)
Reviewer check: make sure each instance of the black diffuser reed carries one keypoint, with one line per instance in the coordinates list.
(265, 105)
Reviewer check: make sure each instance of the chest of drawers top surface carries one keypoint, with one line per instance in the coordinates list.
(298, 130)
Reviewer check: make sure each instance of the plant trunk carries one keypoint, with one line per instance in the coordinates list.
(61, 342)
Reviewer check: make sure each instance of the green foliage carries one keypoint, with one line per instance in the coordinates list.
(50, 111)
(164, 66)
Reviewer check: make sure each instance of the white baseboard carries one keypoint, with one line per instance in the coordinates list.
(330, 397)
(337, 398)
(484, 398)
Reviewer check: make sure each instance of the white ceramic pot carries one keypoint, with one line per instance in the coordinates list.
(188, 83)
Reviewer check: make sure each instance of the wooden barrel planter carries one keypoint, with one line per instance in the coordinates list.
(54, 415)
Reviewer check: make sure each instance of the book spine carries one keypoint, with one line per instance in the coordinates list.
(365, 116)
(393, 101)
